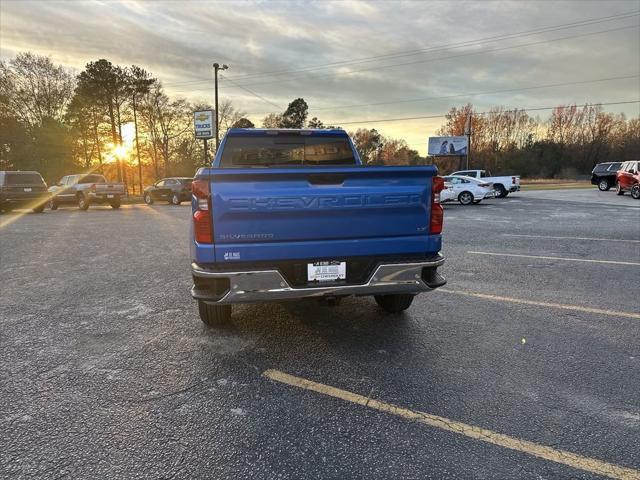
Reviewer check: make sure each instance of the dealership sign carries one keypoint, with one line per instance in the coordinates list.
(448, 146)
(204, 124)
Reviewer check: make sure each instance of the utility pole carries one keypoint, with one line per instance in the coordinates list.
(135, 123)
(216, 67)
(467, 132)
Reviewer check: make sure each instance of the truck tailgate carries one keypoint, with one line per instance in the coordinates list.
(271, 214)
(109, 188)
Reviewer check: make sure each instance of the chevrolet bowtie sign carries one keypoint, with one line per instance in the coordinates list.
(204, 124)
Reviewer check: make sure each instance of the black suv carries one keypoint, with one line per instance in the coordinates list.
(22, 190)
(604, 175)
(174, 190)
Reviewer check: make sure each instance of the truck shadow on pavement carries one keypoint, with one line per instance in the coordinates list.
(302, 329)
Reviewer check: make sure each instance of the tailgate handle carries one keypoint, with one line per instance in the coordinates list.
(326, 179)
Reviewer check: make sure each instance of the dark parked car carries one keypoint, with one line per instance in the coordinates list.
(22, 190)
(174, 190)
(604, 175)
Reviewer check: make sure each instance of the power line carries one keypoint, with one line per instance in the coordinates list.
(424, 117)
(585, 22)
(458, 95)
(467, 54)
(251, 92)
(447, 46)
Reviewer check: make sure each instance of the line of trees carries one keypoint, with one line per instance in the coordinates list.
(566, 145)
(118, 120)
(108, 118)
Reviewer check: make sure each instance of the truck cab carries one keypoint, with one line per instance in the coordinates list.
(289, 214)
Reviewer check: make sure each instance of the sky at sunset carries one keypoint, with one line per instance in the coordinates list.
(352, 61)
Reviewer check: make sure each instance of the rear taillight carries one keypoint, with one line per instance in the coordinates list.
(437, 213)
(202, 225)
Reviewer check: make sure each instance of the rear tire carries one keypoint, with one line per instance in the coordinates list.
(147, 199)
(83, 202)
(635, 191)
(214, 315)
(465, 198)
(395, 303)
(619, 190)
(115, 204)
(39, 209)
(501, 192)
(175, 199)
(53, 205)
(604, 185)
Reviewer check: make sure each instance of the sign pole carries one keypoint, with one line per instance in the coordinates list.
(205, 153)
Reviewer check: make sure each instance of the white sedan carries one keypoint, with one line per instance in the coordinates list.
(466, 190)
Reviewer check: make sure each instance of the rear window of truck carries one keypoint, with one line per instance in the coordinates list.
(92, 179)
(23, 179)
(286, 151)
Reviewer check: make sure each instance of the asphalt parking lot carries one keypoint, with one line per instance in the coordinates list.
(107, 372)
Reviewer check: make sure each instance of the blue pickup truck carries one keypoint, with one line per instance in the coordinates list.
(289, 214)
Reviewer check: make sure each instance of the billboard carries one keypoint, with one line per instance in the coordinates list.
(441, 146)
(204, 124)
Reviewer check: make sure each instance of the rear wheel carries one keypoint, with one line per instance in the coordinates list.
(395, 303)
(147, 199)
(175, 199)
(603, 185)
(635, 191)
(501, 192)
(83, 202)
(53, 205)
(214, 315)
(115, 204)
(619, 190)
(39, 209)
(465, 198)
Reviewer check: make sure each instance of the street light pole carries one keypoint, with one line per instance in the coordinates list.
(216, 67)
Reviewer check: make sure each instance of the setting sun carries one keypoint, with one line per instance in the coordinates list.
(121, 152)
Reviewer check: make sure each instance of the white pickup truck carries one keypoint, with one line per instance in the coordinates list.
(502, 185)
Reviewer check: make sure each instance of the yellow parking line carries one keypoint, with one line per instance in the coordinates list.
(577, 308)
(571, 238)
(580, 462)
(612, 262)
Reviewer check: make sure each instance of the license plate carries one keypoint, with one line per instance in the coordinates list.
(28, 189)
(109, 196)
(326, 271)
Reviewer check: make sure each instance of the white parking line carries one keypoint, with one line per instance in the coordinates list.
(564, 457)
(561, 306)
(571, 238)
(564, 259)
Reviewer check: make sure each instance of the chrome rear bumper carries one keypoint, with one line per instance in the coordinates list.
(268, 285)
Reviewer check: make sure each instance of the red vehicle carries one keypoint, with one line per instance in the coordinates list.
(627, 176)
